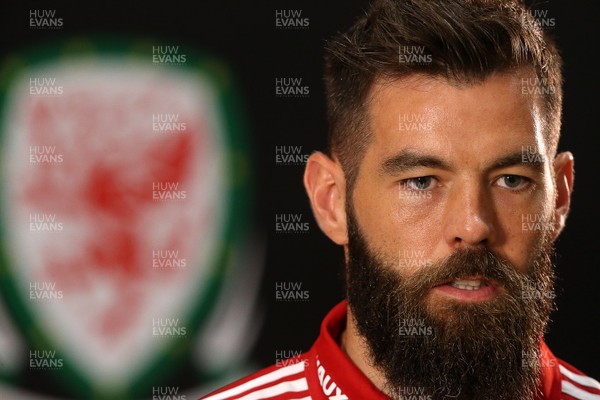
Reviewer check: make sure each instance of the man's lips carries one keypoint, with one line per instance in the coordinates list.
(469, 288)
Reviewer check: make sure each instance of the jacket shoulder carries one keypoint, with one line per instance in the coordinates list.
(575, 385)
(282, 381)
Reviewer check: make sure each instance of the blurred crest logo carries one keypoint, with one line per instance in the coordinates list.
(167, 123)
(44, 223)
(168, 55)
(167, 260)
(167, 393)
(44, 291)
(167, 191)
(163, 327)
(44, 359)
(45, 155)
(44, 86)
(152, 217)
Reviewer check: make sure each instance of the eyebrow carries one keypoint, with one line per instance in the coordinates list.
(534, 162)
(409, 159)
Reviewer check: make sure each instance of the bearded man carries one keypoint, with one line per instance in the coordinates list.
(443, 184)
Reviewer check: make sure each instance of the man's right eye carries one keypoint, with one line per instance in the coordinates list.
(420, 183)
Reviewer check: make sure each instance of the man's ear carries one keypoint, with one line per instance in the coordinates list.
(563, 175)
(325, 185)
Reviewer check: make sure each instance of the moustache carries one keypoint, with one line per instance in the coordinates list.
(466, 263)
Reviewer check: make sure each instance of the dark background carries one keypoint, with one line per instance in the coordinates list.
(243, 34)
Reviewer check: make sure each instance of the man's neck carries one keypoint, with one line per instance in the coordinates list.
(356, 348)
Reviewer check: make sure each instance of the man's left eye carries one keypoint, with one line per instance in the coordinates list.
(513, 182)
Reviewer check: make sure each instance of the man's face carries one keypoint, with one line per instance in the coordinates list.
(452, 168)
(450, 225)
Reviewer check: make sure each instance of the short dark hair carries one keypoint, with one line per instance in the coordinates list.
(468, 41)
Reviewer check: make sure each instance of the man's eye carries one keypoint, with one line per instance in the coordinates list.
(420, 183)
(513, 182)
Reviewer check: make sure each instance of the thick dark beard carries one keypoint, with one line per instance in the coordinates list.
(487, 350)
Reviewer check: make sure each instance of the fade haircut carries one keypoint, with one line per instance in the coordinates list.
(467, 40)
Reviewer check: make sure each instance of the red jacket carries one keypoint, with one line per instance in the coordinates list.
(325, 372)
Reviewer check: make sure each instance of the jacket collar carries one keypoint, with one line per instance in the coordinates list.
(340, 379)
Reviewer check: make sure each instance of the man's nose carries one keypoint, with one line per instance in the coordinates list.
(469, 216)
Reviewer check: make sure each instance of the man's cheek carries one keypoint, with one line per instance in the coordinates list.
(411, 260)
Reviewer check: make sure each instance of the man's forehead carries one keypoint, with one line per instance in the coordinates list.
(515, 78)
(433, 112)
(427, 82)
